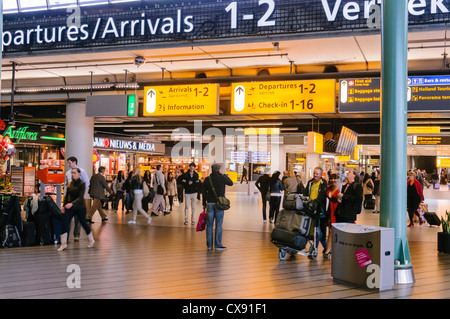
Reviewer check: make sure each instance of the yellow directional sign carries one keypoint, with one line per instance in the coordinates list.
(442, 162)
(315, 143)
(194, 99)
(314, 96)
(423, 129)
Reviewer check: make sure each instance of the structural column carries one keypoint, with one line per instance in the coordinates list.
(393, 124)
(79, 137)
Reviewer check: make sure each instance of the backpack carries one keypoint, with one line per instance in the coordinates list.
(11, 237)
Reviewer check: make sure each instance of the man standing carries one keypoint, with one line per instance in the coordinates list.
(350, 200)
(263, 186)
(190, 182)
(159, 186)
(73, 163)
(214, 187)
(97, 192)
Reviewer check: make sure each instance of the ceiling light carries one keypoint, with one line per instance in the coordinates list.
(176, 130)
(123, 125)
(248, 124)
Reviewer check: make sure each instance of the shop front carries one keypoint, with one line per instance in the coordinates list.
(26, 149)
(123, 155)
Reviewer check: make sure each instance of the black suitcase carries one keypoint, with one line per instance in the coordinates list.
(288, 238)
(11, 237)
(29, 234)
(432, 219)
(44, 229)
(293, 220)
(369, 203)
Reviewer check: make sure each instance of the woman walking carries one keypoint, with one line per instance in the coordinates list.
(368, 187)
(414, 197)
(74, 204)
(275, 188)
(136, 187)
(171, 188)
(332, 195)
(117, 189)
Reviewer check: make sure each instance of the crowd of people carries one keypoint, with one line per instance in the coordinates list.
(334, 202)
(135, 192)
(337, 199)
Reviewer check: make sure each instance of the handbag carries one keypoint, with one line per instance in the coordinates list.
(222, 202)
(201, 224)
(145, 189)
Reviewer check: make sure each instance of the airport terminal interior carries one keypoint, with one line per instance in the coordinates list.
(288, 84)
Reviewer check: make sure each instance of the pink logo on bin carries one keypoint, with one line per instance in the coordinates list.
(363, 258)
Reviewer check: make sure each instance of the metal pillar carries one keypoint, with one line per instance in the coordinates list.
(394, 73)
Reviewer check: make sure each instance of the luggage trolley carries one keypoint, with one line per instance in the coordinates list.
(307, 245)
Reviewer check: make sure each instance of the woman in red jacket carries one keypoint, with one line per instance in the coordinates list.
(414, 197)
(332, 194)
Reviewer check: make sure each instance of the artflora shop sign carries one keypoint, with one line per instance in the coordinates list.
(21, 134)
(123, 145)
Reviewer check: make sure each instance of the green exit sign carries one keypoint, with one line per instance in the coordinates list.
(131, 105)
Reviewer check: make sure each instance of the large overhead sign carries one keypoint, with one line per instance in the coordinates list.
(424, 94)
(314, 96)
(162, 21)
(181, 100)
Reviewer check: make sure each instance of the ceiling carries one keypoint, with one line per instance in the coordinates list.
(302, 58)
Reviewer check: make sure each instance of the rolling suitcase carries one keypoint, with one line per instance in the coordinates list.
(432, 219)
(44, 229)
(29, 234)
(293, 220)
(369, 203)
(291, 239)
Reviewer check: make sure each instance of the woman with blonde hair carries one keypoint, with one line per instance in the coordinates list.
(136, 187)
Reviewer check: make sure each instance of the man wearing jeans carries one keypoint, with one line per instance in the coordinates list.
(219, 181)
(190, 184)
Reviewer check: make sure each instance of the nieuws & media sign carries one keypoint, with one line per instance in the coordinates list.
(150, 22)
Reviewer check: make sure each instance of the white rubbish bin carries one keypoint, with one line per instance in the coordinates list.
(363, 256)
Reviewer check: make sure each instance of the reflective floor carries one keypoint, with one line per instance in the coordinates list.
(168, 260)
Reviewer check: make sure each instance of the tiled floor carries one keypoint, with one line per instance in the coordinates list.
(168, 260)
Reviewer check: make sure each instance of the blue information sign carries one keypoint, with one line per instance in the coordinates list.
(425, 94)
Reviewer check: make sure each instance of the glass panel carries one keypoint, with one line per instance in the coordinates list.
(27, 5)
(61, 3)
(90, 2)
(118, 1)
(9, 6)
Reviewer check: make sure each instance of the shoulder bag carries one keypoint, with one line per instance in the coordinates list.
(222, 202)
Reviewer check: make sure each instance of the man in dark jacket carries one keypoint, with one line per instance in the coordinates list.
(350, 200)
(97, 188)
(262, 184)
(219, 181)
(190, 183)
(316, 190)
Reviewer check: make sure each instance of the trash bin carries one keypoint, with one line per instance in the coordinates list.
(363, 256)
